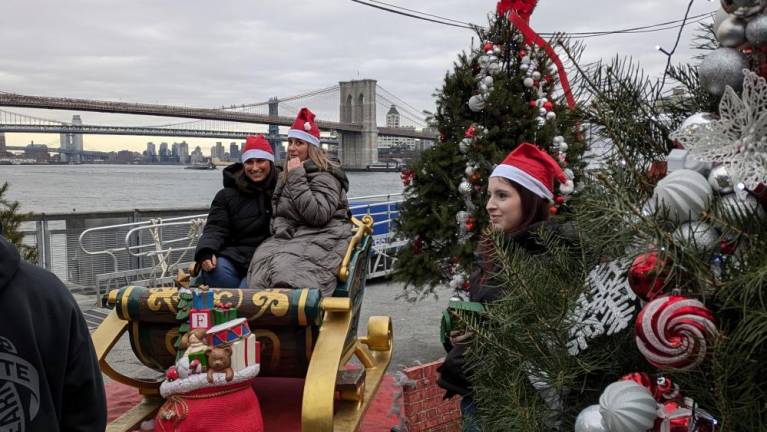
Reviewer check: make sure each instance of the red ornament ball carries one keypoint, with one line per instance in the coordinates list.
(553, 210)
(522, 53)
(559, 199)
(488, 47)
(548, 106)
(469, 226)
(171, 374)
(647, 275)
(533, 104)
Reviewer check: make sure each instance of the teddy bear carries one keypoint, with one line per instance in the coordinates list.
(219, 360)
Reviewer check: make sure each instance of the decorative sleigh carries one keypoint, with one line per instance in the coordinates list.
(301, 334)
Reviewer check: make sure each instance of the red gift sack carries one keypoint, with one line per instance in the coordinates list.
(224, 408)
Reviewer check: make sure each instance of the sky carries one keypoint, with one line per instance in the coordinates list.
(224, 52)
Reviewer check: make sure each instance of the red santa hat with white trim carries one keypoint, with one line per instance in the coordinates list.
(304, 127)
(533, 169)
(257, 147)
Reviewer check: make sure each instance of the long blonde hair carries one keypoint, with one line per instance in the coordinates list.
(318, 156)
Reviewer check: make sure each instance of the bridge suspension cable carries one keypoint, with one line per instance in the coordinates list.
(287, 99)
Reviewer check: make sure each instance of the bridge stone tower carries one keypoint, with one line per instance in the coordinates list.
(274, 130)
(358, 106)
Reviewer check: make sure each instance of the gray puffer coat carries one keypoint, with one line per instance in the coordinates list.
(311, 231)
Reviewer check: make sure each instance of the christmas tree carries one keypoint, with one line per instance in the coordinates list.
(657, 321)
(508, 91)
(10, 220)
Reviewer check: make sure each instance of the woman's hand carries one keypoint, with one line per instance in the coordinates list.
(460, 337)
(293, 163)
(209, 264)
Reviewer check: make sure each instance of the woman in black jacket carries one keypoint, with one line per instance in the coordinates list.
(520, 197)
(239, 217)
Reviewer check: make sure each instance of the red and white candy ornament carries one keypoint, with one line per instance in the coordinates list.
(673, 332)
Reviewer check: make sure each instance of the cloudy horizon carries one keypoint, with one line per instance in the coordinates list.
(208, 54)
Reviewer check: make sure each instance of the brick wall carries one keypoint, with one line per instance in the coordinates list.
(423, 408)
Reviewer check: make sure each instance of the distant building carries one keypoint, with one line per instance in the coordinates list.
(150, 155)
(163, 154)
(396, 143)
(124, 156)
(217, 151)
(196, 157)
(234, 152)
(183, 152)
(3, 150)
(392, 117)
(38, 152)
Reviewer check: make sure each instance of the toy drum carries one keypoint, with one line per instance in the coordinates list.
(228, 332)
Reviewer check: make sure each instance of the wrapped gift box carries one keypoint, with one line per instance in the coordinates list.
(222, 315)
(202, 299)
(246, 352)
(199, 318)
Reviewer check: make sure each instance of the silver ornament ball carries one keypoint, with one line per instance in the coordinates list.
(721, 180)
(464, 188)
(756, 30)
(528, 82)
(731, 32)
(496, 50)
(542, 112)
(483, 88)
(563, 146)
(536, 75)
(525, 60)
(488, 80)
(551, 115)
(738, 207)
(559, 139)
(476, 103)
(469, 170)
(524, 67)
(720, 16)
(590, 420)
(700, 236)
(722, 67)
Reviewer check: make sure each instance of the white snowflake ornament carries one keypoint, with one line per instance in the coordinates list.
(738, 140)
(606, 310)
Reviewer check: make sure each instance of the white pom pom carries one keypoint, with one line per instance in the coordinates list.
(567, 187)
(307, 126)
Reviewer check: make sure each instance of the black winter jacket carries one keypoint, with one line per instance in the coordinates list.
(239, 218)
(49, 377)
(455, 373)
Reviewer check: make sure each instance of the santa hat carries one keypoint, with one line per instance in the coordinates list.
(533, 169)
(304, 128)
(257, 147)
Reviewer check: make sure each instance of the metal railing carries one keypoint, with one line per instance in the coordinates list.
(97, 251)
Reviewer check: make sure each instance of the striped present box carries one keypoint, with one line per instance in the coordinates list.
(246, 352)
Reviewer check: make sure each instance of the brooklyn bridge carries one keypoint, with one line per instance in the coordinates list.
(354, 123)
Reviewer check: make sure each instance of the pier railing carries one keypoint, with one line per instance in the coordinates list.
(96, 251)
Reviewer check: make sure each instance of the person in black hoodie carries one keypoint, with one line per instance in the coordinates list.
(239, 217)
(520, 195)
(49, 375)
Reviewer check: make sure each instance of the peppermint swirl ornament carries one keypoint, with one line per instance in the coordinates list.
(673, 332)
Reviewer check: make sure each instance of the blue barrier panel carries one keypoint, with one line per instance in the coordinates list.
(379, 212)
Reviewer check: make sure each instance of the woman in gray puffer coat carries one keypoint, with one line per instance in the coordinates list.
(311, 227)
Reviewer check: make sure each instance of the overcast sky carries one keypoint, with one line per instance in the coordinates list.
(223, 52)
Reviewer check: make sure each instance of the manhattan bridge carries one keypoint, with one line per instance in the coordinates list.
(352, 116)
